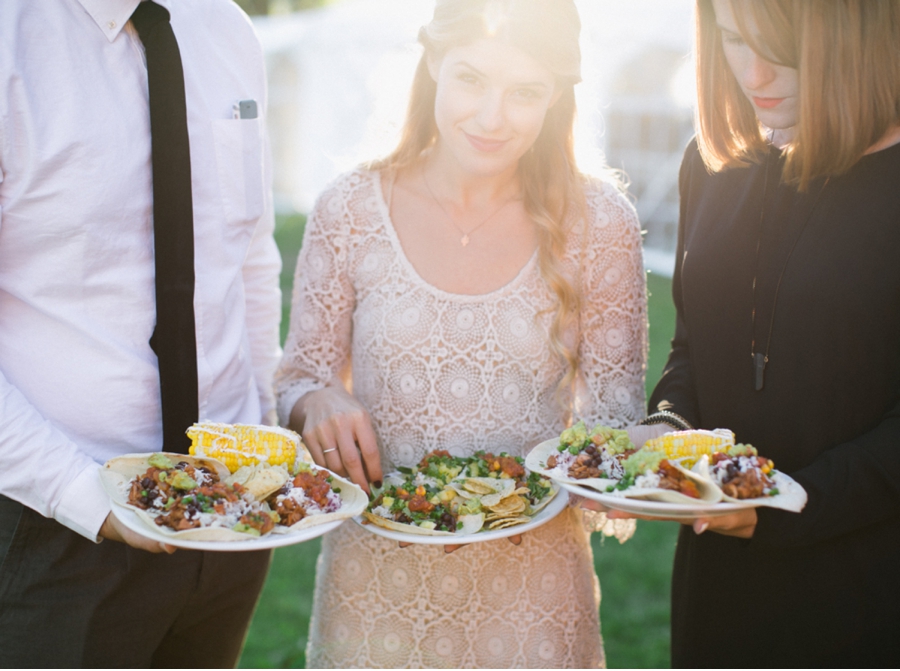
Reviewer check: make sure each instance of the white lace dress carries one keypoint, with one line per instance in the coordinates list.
(463, 373)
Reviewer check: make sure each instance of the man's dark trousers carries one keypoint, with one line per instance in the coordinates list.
(68, 602)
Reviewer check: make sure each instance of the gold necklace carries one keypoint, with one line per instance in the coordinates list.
(760, 359)
(464, 240)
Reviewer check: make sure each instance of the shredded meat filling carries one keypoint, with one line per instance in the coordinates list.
(673, 479)
(747, 484)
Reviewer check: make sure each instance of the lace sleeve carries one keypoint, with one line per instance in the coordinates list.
(317, 348)
(613, 346)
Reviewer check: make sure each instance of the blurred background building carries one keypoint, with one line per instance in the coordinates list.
(340, 71)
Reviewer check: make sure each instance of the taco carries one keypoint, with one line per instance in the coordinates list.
(315, 496)
(185, 497)
(685, 467)
(196, 498)
(744, 476)
(579, 457)
(650, 474)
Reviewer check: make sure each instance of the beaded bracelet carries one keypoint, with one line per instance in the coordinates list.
(666, 417)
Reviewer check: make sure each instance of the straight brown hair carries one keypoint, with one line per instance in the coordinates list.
(847, 53)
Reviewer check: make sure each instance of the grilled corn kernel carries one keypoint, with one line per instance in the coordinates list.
(237, 445)
(690, 445)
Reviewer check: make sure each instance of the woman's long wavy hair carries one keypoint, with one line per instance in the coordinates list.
(847, 53)
(552, 186)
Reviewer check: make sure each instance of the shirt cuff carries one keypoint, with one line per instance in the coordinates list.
(288, 398)
(84, 504)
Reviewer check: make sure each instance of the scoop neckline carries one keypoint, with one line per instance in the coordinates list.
(377, 176)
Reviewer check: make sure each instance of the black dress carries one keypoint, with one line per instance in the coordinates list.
(819, 588)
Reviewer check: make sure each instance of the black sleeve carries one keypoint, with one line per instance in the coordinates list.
(851, 486)
(675, 389)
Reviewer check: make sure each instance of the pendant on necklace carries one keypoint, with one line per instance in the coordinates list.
(464, 240)
(759, 366)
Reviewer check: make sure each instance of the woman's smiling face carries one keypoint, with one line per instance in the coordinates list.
(490, 105)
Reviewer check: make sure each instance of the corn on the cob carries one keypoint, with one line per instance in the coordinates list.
(237, 445)
(690, 445)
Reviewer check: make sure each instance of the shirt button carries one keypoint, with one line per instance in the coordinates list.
(111, 25)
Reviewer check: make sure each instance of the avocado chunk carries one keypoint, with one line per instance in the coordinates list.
(160, 461)
(183, 481)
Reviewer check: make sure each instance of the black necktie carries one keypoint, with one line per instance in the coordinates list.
(173, 339)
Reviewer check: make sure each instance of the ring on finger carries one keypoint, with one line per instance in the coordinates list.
(331, 449)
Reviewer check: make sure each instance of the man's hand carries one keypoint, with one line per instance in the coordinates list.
(114, 530)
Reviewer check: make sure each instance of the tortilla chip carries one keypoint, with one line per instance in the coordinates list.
(471, 485)
(461, 492)
(508, 522)
(490, 490)
(261, 480)
(510, 504)
(505, 488)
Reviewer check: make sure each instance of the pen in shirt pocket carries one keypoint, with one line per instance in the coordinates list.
(245, 109)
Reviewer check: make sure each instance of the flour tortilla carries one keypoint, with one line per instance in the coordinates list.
(353, 502)
(791, 495)
(540, 505)
(536, 461)
(119, 471)
(260, 480)
(471, 525)
(709, 492)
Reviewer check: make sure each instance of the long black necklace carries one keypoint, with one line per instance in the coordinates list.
(760, 359)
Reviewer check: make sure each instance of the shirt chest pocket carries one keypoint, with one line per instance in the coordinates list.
(239, 163)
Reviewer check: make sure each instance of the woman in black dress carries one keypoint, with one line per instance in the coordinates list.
(787, 287)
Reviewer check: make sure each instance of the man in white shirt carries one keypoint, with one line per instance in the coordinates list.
(79, 382)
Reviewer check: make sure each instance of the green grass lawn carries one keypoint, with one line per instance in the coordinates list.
(634, 577)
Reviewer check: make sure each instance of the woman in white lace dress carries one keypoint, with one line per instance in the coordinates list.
(473, 291)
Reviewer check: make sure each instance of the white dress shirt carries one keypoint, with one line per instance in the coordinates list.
(78, 381)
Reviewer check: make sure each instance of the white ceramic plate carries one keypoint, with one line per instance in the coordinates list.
(794, 499)
(554, 508)
(792, 496)
(272, 540)
(658, 508)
